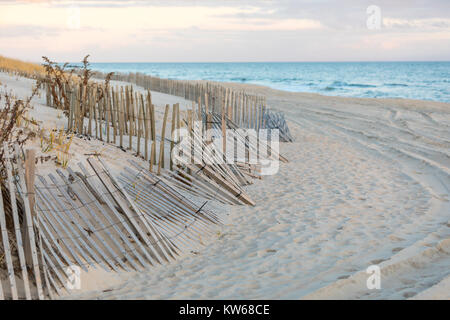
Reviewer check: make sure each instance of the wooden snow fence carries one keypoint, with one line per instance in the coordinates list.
(248, 149)
(122, 106)
(22, 269)
(92, 219)
(134, 115)
(127, 118)
(183, 219)
(254, 146)
(244, 109)
(276, 120)
(207, 167)
(86, 217)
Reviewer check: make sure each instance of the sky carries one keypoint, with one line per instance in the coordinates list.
(219, 30)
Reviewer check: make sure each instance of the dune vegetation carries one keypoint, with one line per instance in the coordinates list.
(15, 66)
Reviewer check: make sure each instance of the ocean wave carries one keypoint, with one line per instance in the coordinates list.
(395, 85)
(377, 94)
(239, 79)
(357, 85)
(349, 79)
(339, 83)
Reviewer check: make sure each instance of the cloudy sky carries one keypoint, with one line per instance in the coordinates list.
(218, 30)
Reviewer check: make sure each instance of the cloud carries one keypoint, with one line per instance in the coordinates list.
(214, 30)
(35, 31)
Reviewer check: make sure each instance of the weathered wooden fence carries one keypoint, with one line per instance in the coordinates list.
(245, 110)
(86, 217)
(127, 118)
(21, 259)
(89, 217)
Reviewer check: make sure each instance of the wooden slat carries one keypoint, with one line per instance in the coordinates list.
(103, 258)
(30, 167)
(146, 113)
(61, 276)
(139, 118)
(17, 227)
(167, 225)
(163, 140)
(100, 118)
(130, 108)
(43, 263)
(50, 276)
(46, 277)
(91, 111)
(172, 135)
(29, 221)
(7, 250)
(161, 246)
(83, 233)
(120, 115)
(60, 255)
(171, 207)
(164, 190)
(2, 295)
(67, 228)
(92, 199)
(122, 222)
(114, 114)
(162, 250)
(124, 207)
(108, 114)
(95, 107)
(101, 226)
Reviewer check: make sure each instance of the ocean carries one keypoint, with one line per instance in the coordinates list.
(414, 80)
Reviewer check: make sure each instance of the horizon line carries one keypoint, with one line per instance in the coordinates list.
(330, 61)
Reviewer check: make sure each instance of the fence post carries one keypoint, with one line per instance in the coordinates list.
(161, 144)
(30, 174)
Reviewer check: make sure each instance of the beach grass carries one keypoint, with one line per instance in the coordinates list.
(16, 66)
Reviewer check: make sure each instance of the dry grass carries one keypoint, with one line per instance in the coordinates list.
(63, 143)
(58, 78)
(14, 123)
(26, 69)
(62, 80)
(58, 141)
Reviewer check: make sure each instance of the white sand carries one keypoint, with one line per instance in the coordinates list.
(368, 182)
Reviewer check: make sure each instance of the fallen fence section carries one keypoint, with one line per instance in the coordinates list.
(86, 217)
(22, 270)
(276, 120)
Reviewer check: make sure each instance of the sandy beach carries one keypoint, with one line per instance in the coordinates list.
(367, 183)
